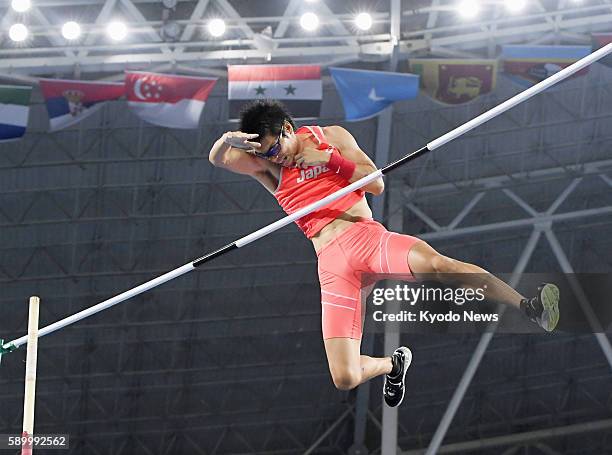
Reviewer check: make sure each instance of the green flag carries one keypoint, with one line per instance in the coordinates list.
(14, 109)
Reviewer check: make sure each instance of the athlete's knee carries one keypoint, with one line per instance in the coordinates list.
(346, 378)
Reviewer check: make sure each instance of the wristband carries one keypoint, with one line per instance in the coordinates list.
(340, 165)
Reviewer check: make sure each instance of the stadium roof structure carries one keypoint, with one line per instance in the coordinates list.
(230, 359)
(171, 34)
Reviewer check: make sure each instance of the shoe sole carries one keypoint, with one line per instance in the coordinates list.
(408, 356)
(550, 302)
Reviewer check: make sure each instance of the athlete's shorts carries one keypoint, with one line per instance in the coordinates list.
(358, 257)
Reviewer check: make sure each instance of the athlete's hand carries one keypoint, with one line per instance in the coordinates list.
(311, 157)
(241, 140)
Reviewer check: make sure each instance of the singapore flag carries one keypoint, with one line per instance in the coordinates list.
(167, 100)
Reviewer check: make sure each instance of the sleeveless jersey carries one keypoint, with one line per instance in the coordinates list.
(298, 188)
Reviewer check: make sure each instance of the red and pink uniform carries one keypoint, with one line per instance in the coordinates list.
(298, 188)
(366, 247)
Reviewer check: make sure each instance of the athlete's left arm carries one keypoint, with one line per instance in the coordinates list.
(349, 149)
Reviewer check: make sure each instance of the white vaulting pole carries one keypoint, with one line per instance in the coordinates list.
(30, 376)
(460, 130)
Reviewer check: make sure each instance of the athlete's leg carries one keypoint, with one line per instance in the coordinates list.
(343, 310)
(348, 368)
(424, 260)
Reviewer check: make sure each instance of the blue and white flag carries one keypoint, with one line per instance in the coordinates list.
(365, 93)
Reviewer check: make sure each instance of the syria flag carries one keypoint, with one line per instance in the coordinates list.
(168, 100)
(298, 87)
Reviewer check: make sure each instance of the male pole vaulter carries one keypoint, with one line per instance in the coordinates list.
(302, 166)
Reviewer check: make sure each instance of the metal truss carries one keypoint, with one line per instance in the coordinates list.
(541, 222)
(524, 439)
(167, 353)
(173, 203)
(410, 199)
(175, 35)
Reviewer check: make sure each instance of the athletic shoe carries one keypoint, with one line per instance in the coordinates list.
(395, 386)
(544, 307)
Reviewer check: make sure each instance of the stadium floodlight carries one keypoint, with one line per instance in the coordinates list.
(309, 21)
(21, 6)
(363, 21)
(117, 30)
(514, 6)
(18, 32)
(216, 27)
(468, 9)
(71, 30)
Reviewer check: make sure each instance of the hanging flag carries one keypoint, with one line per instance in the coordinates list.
(69, 102)
(600, 40)
(366, 93)
(14, 109)
(528, 65)
(299, 87)
(166, 99)
(455, 81)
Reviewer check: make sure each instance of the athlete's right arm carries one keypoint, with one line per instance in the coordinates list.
(230, 152)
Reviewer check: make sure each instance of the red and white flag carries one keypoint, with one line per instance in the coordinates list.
(168, 100)
(299, 87)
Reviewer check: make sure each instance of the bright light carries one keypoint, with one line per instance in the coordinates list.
(514, 6)
(117, 30)
(21, 6)
(311, 1)
(216, 27)
(309, 21)
(363, 21)
(18, 32)
(71, 30)
(468, 8)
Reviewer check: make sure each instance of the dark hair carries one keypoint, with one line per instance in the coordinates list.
(264, 117)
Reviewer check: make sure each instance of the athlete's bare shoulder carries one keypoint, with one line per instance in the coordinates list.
(338, 136)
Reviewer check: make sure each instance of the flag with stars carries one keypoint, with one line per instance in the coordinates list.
(365, 93)
(299, 87)
(166, 99)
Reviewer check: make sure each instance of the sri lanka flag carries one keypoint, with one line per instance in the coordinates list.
(451, 81)
(299, 87)
(68, 102)
(166, 99)
(14, 110)
(528, 65)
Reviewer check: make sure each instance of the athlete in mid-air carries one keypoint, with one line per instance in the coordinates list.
(301, 166)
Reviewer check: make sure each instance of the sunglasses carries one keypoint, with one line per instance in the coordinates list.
(275, 148)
